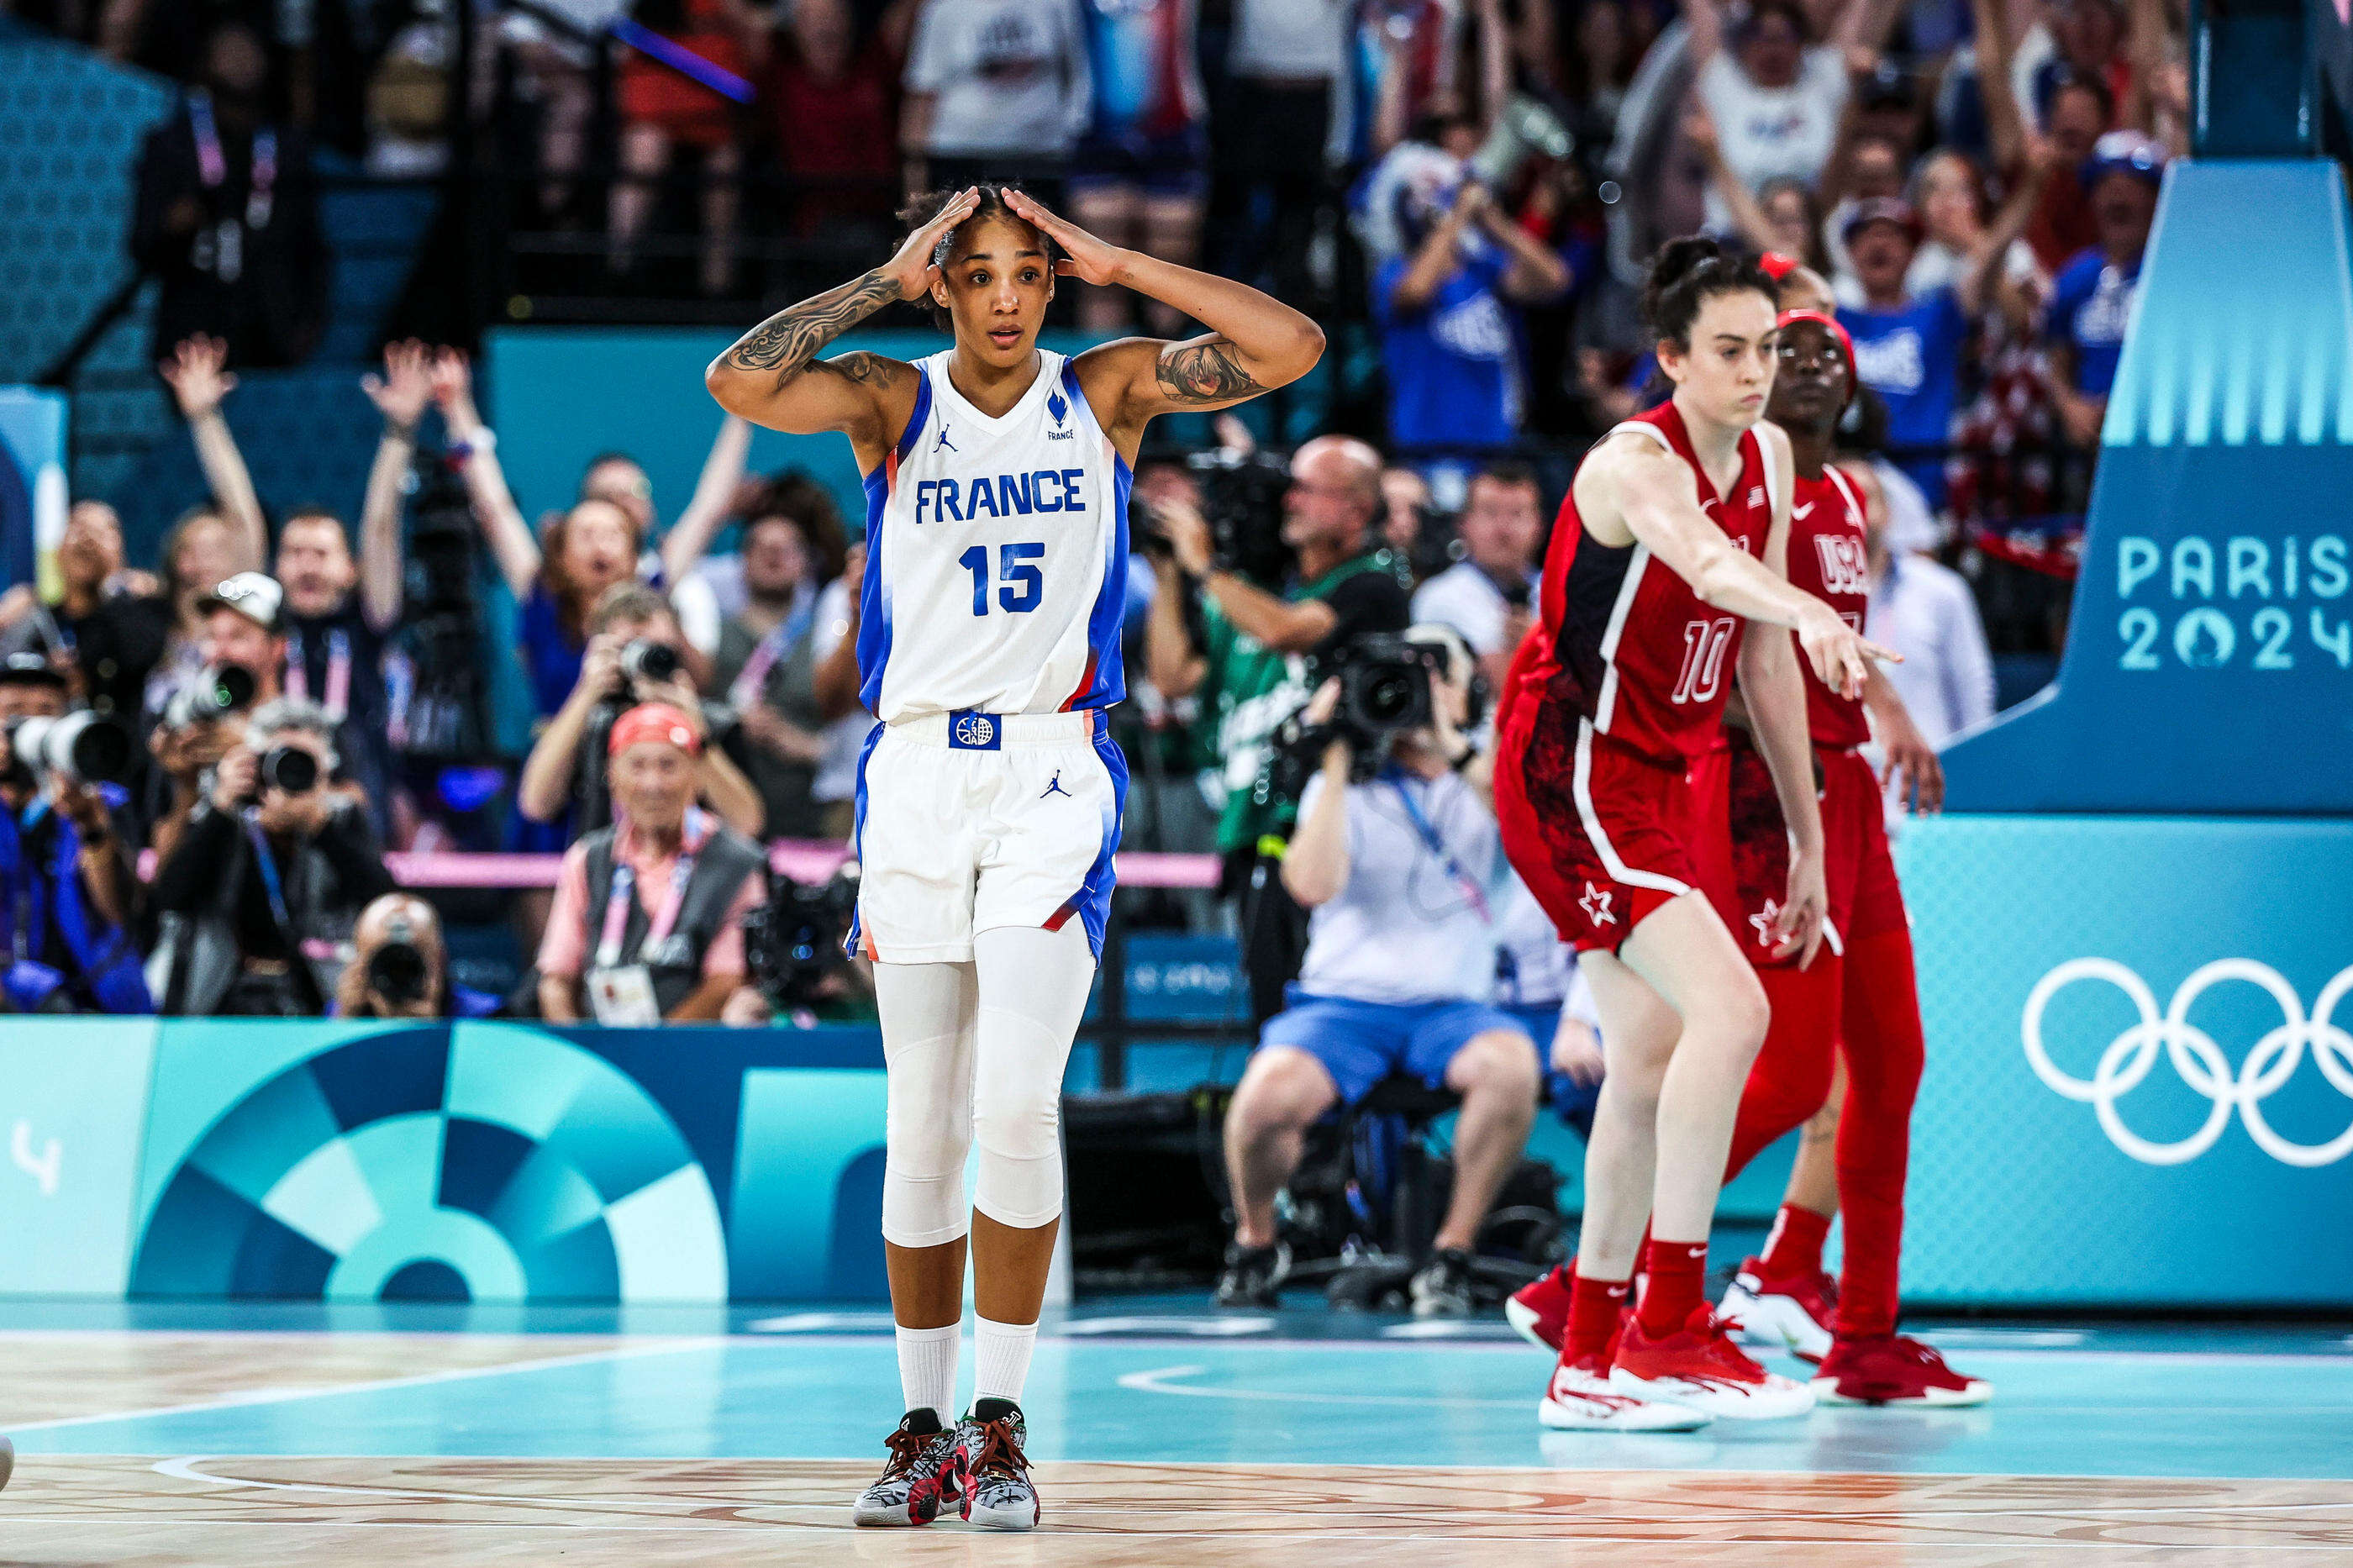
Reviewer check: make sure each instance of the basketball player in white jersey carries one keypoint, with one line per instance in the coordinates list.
(989, 797)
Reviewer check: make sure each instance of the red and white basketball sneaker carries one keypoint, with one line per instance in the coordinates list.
(1582, 1398)
(1893, 1369)
(1797, 1314)
(1539, 1309)
(1699, 1367)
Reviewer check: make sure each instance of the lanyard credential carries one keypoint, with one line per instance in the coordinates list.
(339, 672)
(786, 634)
(1471, 891)
(267, 864)
(624, 888)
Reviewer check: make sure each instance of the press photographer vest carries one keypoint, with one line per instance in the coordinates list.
(674, 965)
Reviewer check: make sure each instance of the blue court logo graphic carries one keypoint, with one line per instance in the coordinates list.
(2198, 1060)
(1056, 406)
(975, 730)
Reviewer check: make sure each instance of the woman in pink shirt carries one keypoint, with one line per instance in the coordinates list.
(648, 925)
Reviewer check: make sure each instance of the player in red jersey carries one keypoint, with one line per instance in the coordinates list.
(1856, 1001)
(1673, 537)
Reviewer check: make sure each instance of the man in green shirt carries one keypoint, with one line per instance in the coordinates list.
(1262, 655)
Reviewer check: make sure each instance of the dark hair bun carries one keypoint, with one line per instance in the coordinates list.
(1689, 270)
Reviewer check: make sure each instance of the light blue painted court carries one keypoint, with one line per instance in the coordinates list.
(257, 1428)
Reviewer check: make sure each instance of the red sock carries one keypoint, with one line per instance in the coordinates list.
(1594, 1308)
(1675, 1273)
(1794, 1249)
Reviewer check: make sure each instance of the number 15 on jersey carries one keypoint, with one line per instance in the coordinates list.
(1020, 585)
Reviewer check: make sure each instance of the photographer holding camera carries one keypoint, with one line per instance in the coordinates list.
(399, 968)
(1262, 652)
(635, 656)
(68, 892)
(261, 891)
(1398, 854)
(242, 644)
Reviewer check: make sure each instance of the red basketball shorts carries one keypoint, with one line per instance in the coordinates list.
(1742, 854)
(1598, 832)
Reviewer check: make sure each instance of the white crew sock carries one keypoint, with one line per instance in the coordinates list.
(927, 1369)
(1001, 1359)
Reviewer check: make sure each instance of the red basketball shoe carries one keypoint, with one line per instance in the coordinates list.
(1893, 1369)
(1796, 1314)
(1699, 1367)
(1539, 1309)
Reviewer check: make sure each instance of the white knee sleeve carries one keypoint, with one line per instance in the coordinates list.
(1033, 988)
(927, 1044)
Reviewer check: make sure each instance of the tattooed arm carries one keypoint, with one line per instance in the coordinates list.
(773, 376)
(1255, 342)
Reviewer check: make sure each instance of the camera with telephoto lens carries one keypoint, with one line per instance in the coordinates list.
(655, 663)
(795, 941)
(397, 974)
(223, 690)
(290, 769)
(1242, 500)
(1385, 687)
(80, 748)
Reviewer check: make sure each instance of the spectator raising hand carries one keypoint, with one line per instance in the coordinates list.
(405, 390)
(197, 374)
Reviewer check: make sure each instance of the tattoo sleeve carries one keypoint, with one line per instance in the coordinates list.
(1204, 373)
(787, 342)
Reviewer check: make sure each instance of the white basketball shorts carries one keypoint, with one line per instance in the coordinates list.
(968, 822)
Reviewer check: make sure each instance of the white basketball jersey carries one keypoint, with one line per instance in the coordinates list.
(996, 555)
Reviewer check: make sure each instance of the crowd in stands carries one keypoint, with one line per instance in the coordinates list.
(1469, 181)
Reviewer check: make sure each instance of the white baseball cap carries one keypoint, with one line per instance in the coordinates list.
(253, 595)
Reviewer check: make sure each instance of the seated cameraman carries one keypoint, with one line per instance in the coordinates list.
(68, 893)
(399, 968)
(648, 923)
(1402, 865)
(1261, 655)
(243, 650)
(635, 656)
(261, 894)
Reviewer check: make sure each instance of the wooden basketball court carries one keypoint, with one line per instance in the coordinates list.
(201, 1446)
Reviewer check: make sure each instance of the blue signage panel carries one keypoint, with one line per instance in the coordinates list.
(2139, 1087)
(2209, 665)
(73, 1099)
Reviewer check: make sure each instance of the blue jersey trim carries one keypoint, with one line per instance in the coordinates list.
(921, 414)
(874, 593)
(1092, 900)
(1105, 619)
(858, 837)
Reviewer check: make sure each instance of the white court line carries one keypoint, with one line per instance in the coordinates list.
(1517, 1533)
(185, 1469)
(1152, 1383)
(419, 1380)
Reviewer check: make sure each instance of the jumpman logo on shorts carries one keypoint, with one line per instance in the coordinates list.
(1054, 786)
(943, 440)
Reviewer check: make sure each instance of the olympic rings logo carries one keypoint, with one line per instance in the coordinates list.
(2198, 1061)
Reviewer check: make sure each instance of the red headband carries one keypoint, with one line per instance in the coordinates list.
(1836, 330)
(656, 722)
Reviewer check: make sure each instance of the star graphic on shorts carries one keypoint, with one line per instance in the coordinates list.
(1763, 921)
(1596, 905)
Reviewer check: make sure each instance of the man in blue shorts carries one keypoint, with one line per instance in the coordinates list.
(1406, 877)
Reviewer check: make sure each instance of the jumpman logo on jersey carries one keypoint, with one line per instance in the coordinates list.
(943, 440)
(1054, 786)
(1763, 921)
(1596, 905)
